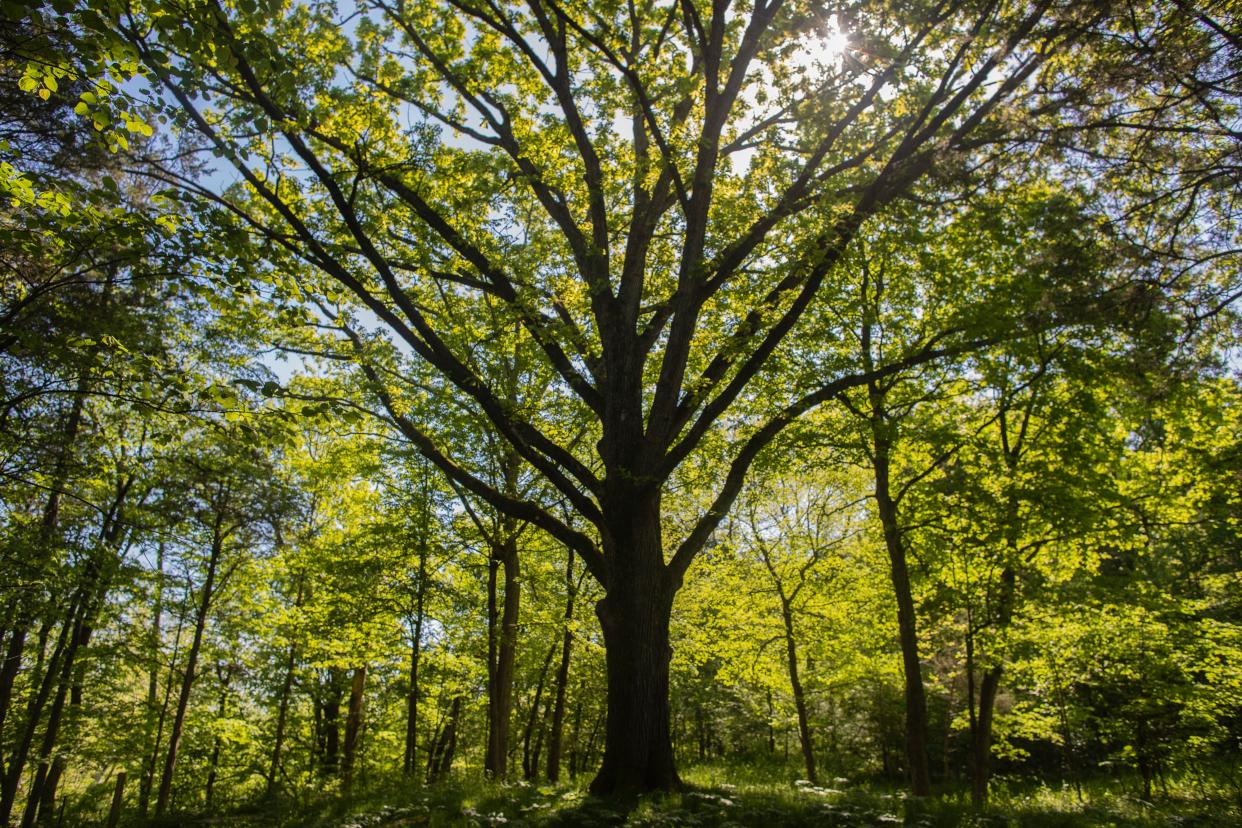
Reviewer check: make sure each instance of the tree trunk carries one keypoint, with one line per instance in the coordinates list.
(11, 666)
(47, 532)
(410, 759)
(530, 759)
(915, 695)
(282, 712)
(500, 684)
(981, 732)
(795, 684)
(562, 676)
(440, 757)
(213, 763)
(771, 725)
(118, 800)
(91, 592)
(153, 685)
(331, 726)
(21, 751)
(449, 749)
(187, 680)
(47, 798)
(353, 727)
(634, 616)
(575, 737)
(148, 776)
(42, 791)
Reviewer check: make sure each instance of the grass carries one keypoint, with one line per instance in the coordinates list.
(733, 796)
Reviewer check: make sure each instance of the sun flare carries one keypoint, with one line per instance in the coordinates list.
(823, 48)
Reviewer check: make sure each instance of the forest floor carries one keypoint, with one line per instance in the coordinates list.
(724, 797)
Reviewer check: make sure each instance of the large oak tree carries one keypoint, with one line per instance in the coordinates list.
(654, 192)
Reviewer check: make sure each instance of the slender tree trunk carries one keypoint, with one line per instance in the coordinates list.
(93, 590)
(531, 766)
(331, 724)
(450, 740)
(282, 712)
(541, 731)
(118, 800)
(562, 675)
(981, 732)
(575, 736)
(153, 679)
(410, 759)
(153, 757)
(440, 759)
(916, 697)
(187, 681)
(47, 798)
(11, 666)
(213, 764)
(42, 791)
(771, 725)
(353, 727)
(47, 532)
(500, 695)
(634, 616)
(21, 751)
(880, 451)
(433, 750)
(795, 684)
(588, 753)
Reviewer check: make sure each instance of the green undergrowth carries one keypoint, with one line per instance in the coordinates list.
(721, 796)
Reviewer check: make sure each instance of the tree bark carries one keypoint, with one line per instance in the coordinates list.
(440, 757)
(282, 712)
(118, 800)
(353, 727)
(410, 759)
(187, 680)
(530, 759)
(47, 531)
(562, 675)
(148, 776)
(42, 793)
(500, 683)
(634, 616)
(154, 730)
(93, 590)
(330, 724)
(795, 684)
(915, 695)
(47, 797)
(981, 732)
(21, 752)
(575, 737)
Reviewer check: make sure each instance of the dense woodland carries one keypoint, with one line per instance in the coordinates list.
(614, 395)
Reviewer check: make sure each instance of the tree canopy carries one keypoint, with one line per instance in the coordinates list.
(393, 322)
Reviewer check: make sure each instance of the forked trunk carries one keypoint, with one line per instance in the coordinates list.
(634, 617)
